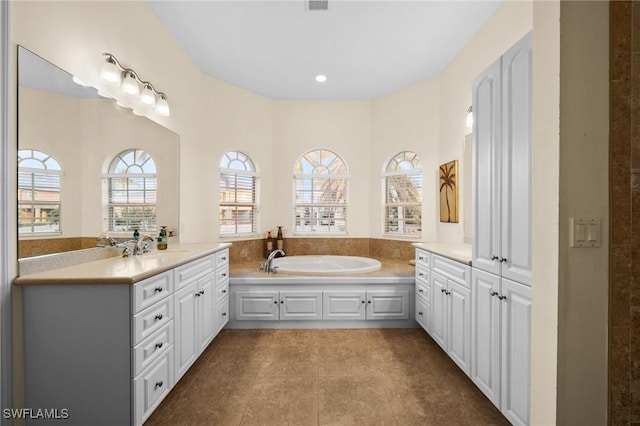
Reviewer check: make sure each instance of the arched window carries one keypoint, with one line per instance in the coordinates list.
(320, 184)
(402, 182)
(131, 192)
(238, 195)
(39, 199)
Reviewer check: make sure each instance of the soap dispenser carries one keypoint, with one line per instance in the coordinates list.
(162, 239)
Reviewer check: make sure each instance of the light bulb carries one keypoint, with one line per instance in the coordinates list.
(162, 106)
(321, 78)
(469, 118)
(130, 84)
(110, 72)
(147, 97)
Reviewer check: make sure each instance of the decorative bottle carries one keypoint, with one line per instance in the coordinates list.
(269, 243)
(136, 234)
(279, 240)
(162, 239)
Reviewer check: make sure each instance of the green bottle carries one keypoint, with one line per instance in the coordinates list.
(162, 239)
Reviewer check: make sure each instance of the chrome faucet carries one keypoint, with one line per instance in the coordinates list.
(143, 245)
(101, 237)
(267, 266)
(126, 252)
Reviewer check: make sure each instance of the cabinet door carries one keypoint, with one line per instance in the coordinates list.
(459, 325)
(423, 309)
(516, 349)
(344, 305)
(186, 331)
(206, 311)
(300, 305)
(439, 309)
(487, 118)
(387, 305)
(257, 305)
(516, 162)
(485, 334)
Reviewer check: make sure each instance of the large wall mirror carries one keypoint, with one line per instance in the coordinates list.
(68, 138)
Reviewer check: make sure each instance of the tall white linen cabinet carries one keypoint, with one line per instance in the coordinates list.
(501, 260)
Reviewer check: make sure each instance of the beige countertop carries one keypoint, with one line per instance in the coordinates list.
(123, 270)
(458, 252)
(242, 271)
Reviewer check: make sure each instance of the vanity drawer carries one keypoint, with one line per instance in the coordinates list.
(423, 289)
(455, 271)
(144, 353)
(222, 258)
(187, 274)
(153, 318)
(222, 274)
(423, 258)
(222, 289)
(422, 273)
(222, 313)
(149, 291)
(152, 386)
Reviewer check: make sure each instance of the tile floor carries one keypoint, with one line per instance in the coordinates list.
(325, 377)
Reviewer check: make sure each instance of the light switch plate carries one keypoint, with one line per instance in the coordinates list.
(585, 232)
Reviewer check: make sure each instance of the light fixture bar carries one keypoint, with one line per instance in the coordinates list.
(115, 74)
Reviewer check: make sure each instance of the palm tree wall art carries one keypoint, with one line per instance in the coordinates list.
(449, 192)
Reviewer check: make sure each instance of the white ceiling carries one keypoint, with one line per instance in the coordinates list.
(365, 48)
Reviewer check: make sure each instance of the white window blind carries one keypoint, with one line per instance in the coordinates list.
(320, 186)
(238, 195)
(39, 193)
(131, 192)
(402, 184)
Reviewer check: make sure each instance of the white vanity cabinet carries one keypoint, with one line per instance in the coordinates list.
(502, 165)
(501, 343)
(366, 305)
(222, 290)
(108, 352)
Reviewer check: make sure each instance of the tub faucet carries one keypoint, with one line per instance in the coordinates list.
(101, 237)
(267, 266)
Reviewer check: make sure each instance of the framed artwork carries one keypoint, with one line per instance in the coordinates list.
(449, 192)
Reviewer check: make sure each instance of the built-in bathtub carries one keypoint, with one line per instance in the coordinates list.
(326, 265)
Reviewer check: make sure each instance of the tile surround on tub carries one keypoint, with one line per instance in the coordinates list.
(368, 247)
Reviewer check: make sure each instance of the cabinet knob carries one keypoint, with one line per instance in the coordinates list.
(443, 290)
(223, 258)
(503, 259)
(275, 302)
(159, 317)
(421, 274)
(420, 313)
(224, 314)
(494, 257)
(369, 301)
(159, 345)
(158, 289)
(201, 291)
(501, 297)
(282, 301)
(224, 275)
(224, 291)
(197, 294)
(448, 293)
(493, 293)
(420, 291)
(159, 384)
(421, 258)
(362, 302)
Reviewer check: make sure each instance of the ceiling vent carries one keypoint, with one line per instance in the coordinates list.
(317, 4)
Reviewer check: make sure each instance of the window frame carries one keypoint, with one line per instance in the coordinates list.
(410, 173)
(344, 206)
(255, 205)
(108, 180)
(50, 167)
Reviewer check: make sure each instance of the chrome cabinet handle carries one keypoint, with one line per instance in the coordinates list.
(501, 297)
(158, 289)
(201, 291)
(494, 257)
(493, 293)
(159, 345)
(442, 290)
(159, 317)
(503, 259)
(159, 384)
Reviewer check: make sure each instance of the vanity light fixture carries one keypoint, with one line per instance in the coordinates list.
(470, 117)
(149, 99)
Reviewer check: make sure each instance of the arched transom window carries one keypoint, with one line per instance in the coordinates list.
(39, 197)
(131, 192)
(320, 185)
(238, 195)
(402, 183)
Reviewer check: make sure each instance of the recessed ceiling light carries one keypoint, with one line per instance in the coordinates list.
(321, 78)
